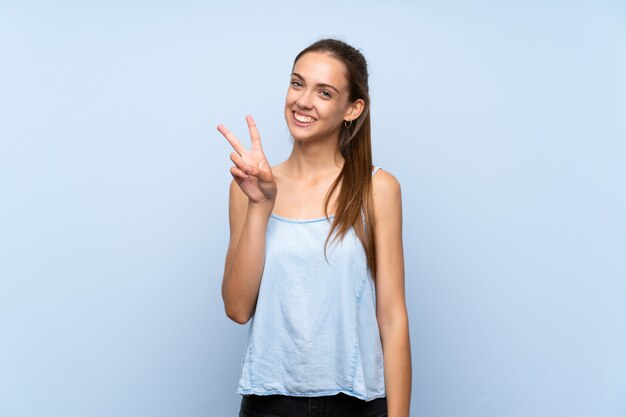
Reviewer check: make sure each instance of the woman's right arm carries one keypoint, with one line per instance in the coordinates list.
(251, 201)
(245, 258)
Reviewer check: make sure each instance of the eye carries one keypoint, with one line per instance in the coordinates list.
(296, 83)
(325, 94)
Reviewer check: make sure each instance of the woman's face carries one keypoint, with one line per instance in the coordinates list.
(318, 97)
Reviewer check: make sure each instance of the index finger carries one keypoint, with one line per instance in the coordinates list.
(255, 138)
(232, 139)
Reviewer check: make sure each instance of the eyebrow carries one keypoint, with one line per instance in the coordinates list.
(319, 84)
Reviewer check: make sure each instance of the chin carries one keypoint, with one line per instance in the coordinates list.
(300, 137)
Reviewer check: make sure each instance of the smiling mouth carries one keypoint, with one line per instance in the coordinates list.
(303, 120)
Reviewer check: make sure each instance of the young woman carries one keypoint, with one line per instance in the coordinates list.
(315, 257)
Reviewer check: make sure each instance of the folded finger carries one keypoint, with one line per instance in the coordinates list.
(237, 173)
(239, 162)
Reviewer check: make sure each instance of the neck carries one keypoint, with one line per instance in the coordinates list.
(310, 159)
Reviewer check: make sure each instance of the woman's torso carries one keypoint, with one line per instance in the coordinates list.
(314, 331)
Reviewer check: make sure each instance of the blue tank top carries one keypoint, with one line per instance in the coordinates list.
(314, 331)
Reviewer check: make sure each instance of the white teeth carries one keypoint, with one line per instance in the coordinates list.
(303, 119)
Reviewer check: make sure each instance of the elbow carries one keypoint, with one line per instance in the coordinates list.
(236, 308)
(237, 315)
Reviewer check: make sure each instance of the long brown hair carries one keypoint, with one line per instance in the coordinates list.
(355, 179)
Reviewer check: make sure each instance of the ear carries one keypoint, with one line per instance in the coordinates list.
(354, 110)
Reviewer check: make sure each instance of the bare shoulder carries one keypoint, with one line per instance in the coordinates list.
(387, 193)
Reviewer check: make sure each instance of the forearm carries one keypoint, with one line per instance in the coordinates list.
(244, 268)
(397, 365)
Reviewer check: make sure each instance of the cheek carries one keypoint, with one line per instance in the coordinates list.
(333, 111)
(290, 97)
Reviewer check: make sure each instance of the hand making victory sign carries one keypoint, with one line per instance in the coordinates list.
(251, 172)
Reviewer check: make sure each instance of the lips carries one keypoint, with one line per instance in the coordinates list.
(303, 120)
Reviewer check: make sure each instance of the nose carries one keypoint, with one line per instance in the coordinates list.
(304, 100)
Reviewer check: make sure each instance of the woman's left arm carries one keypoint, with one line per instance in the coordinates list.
(393, 323)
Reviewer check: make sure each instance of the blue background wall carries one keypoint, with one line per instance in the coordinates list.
(505, 124)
